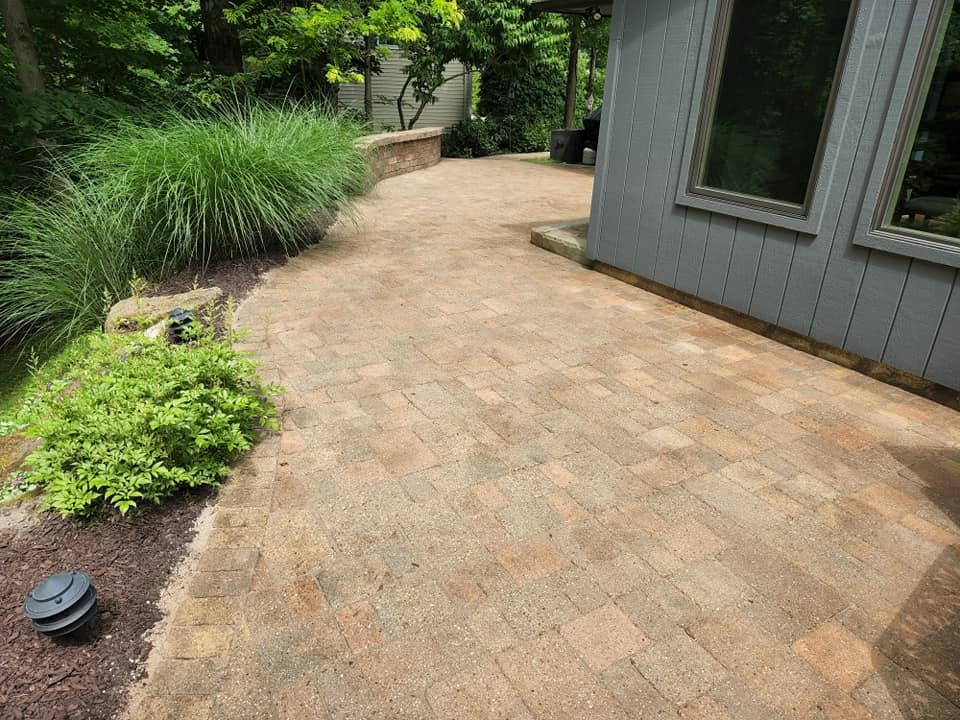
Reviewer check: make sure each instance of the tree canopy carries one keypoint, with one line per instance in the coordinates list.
(66, 66)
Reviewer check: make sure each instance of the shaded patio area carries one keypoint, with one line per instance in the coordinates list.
(510, 487)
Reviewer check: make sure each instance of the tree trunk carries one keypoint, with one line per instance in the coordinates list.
(570, 112)
(368, 47)
(20, 42)
(592, 80)
(400, 99)
(221, 40)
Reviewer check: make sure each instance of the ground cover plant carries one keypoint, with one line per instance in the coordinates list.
(134, 420)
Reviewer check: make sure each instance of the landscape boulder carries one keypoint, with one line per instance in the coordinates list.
(139, 313)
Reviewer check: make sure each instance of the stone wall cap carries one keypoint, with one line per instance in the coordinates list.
(403, 136)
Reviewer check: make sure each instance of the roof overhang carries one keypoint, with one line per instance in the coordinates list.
(574, 7)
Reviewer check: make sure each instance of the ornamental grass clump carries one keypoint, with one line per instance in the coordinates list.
(141, 419)
(63, 258)
(148, 200)
(234, 184)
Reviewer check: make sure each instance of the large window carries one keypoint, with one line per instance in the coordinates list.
(768, 100)
(922, 197)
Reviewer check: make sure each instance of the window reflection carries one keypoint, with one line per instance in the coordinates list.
(773, 96)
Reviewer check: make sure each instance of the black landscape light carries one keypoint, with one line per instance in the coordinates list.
(180, 322)
(61, 604)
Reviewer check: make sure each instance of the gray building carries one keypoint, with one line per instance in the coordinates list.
(797, 161)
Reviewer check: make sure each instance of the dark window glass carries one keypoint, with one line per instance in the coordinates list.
(775, 88)
(926, 196)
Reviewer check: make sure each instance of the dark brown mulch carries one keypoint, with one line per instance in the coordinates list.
(237, 278)
(130, 561)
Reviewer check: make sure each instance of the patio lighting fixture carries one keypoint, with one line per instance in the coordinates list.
(61, 604)
(180, 321)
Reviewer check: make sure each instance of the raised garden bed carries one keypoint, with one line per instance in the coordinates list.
(130, 559)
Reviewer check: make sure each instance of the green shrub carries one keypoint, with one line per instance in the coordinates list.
(142, 419)
(523, 98)
(470, 139)
(230, 185)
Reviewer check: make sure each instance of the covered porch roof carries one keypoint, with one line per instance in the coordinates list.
(574, 7)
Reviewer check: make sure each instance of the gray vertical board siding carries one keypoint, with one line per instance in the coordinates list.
(849, 114)
(744, 261)
(597, 205)
(621, 130)
(716, 258)
(453, 98)
(693, 245)
(837, 296)
(919, 317)
(674, 216)
(670, 103)
(824, 286)
(943, 366)
(776, 257)
(649, 70)
(873, 315)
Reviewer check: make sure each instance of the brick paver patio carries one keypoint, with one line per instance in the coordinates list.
(509, 487)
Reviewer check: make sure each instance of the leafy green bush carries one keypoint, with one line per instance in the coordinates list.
(470, 139)
(151, 200)
(523, 97)
(140, 419)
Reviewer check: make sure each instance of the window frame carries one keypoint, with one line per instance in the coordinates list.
(891, 167)
(805, 218)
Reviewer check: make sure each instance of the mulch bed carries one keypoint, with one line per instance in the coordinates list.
(237, 278)
(130, 561)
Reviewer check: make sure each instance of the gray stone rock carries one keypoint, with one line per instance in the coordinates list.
(137, 313)
(155, 331)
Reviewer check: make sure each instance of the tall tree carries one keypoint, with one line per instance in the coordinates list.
(324, 44)
(220, 44)
(20, 42)
(490, 33)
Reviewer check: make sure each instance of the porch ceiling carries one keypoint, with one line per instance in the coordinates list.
(574, 7)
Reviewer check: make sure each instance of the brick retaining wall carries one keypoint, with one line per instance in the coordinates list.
(397, 153)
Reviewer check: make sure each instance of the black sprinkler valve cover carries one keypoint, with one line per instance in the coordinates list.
(61, 604)
(180, 321)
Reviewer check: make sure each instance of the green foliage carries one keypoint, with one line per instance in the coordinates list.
(100, 60)
(948, 224)
(150, 200)
(471, 139)
(232, 184)
(493, 36)
(521, 58)
(25, 383)
(524, 108)
(68, 254)
(143, 419)
(315, 46)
